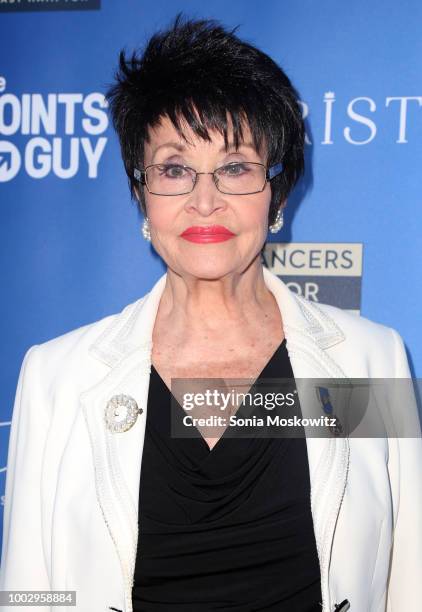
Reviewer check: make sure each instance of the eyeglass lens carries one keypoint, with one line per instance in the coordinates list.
(235, 178)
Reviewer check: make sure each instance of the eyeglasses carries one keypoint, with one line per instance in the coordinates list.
(235, 178)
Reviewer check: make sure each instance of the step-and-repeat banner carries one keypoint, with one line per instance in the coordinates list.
(71, 247)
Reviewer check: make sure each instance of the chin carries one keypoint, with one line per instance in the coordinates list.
(207, 270)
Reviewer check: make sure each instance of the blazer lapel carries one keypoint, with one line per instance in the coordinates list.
(309, 332)
(126, 347)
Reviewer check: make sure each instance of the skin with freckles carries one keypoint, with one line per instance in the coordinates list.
(216, 318)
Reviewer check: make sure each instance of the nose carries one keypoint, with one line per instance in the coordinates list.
(205, 197)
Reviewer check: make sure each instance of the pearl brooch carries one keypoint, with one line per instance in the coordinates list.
(121, 413)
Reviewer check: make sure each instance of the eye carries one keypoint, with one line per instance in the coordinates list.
(234, 169)
(172, 171)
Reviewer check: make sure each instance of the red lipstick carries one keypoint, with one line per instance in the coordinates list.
(208, 233)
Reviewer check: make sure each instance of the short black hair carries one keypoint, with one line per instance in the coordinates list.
(199, 72)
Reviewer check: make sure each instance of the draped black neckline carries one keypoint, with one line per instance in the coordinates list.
(226, 529)
(270, 370)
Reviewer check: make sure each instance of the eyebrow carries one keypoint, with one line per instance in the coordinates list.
(181, 147)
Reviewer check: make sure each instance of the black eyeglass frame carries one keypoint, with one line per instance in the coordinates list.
(270, 173)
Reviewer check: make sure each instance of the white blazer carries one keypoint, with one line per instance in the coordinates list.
(71, 505)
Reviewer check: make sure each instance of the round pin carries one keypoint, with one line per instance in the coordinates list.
(121, 413)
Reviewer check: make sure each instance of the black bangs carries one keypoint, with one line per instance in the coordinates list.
(200, 75)
(202, 118)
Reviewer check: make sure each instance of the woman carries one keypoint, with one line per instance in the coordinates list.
(101, 499)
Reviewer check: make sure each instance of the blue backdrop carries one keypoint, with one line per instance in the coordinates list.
(71, 248)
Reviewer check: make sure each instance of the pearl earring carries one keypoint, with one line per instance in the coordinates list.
(145, 230)
(278, 223)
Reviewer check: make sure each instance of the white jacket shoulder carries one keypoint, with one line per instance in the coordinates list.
(66, 361)
(84, 336)
(352, 322)
(377, 350)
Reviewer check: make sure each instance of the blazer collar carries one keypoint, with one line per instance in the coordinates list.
(132, 328)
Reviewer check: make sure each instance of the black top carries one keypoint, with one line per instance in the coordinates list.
(227, 529)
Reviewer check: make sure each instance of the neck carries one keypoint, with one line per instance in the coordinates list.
(196, 306)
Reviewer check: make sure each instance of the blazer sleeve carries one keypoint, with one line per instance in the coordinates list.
(23, 564)
(405, 580)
